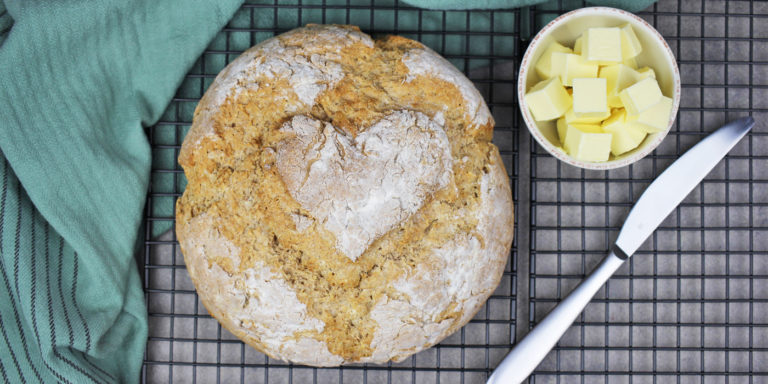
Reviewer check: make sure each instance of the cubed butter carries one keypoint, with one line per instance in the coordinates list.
(631, 62)
(544, 66)
(654, 119)
(548, 99)
(563, 123)
(570, 66)
(577, 45)
(640, 96)
(587, 142)
(602, 45)
(571, 117)
(625, 136)
(590, 98)
(630, 44)
(618, 117)
(618, 77)
(646, 72)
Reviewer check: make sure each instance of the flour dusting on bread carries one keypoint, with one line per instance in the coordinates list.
(456, 278)
(388, 171)
(255, 304)
(309, 73)
(425, 62)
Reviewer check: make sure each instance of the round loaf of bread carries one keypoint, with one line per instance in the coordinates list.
(344, 202)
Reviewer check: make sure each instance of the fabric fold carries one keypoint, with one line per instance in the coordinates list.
(79, 81)
(629, 5)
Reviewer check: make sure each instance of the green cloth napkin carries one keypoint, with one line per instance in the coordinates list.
(541, 18)
(629, 5)
(78, 80)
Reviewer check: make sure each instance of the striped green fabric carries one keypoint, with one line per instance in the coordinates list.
(44, 333)
(78, 80)
(6, 22)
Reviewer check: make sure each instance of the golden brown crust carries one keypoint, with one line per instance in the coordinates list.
(350, 309)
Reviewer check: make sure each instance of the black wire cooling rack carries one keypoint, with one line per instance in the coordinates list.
(691, 306)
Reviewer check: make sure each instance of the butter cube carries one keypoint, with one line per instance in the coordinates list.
(618, 77)
(654, 119)
(626, 136)
(618, 117)
(562, 127)
(577, 45)
(544, 65)
(639, 97)
(571, 118)
(602, 45)
(569, 66)
(590, 98)
(587, 142)
(548, 99)
(646, 72)
(631, 62)
(630, 44)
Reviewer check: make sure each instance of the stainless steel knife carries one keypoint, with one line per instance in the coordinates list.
(658, 201)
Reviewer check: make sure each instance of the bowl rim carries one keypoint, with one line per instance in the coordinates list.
(528, 117)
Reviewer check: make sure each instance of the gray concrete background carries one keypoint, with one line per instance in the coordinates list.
(691, 307)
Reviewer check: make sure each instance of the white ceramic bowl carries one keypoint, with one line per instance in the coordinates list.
(565, 29)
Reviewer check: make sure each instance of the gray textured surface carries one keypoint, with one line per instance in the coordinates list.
(691, 307)
(693, 301)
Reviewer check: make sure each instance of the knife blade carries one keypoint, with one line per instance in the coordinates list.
(676, 182)
(656, 203)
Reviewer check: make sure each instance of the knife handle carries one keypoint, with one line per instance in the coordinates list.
(528, 353)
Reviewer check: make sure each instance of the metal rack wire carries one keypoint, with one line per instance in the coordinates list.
(690, 307)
